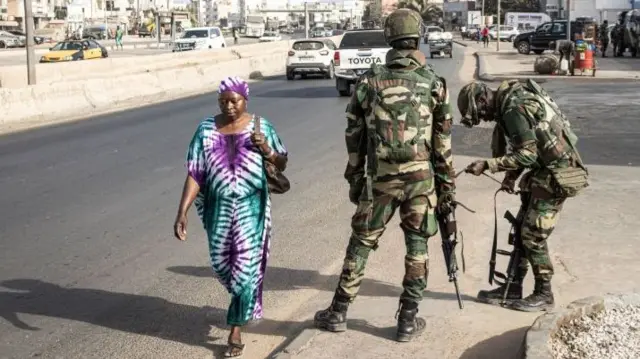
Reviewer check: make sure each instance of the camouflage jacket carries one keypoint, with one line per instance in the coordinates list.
(438, 162)
(603, 32)
(522, 123)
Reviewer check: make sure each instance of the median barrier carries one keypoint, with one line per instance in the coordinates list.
(56, 73)
(43, 103)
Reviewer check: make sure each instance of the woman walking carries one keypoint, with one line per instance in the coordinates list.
(226, 180)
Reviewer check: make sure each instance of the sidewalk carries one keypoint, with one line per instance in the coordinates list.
(509, 64)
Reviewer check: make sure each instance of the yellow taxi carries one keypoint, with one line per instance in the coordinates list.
(75, 50)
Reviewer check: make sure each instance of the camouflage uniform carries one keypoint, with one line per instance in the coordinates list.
(384, 178)
(543, 142)
(604, 37)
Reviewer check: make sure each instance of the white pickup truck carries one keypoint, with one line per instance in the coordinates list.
(358, 50)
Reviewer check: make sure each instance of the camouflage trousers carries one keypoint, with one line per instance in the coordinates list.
(416, 203)
(540, 215)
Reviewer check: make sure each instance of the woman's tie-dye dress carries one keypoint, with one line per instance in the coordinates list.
(235, 208)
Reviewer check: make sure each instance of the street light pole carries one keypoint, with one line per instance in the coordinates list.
(568, 20)
(306, 20)
(482, 14)
(498, 29)
(31, 54)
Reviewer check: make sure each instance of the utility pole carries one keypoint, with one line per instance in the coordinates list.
(568, 20)
(498, 29)
(306, 20)
(482, 14)
(31, 54)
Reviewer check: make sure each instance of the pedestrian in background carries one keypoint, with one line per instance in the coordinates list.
(485, 36)
(603, 34)
(119, 34)
(226, 180)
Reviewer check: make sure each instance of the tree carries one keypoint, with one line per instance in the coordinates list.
(428, 12)
(373, 12)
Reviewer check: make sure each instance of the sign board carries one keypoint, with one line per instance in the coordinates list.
(474, 18)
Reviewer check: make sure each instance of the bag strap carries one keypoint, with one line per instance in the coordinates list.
(256, 123)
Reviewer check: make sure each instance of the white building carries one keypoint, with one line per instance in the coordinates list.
(598, 9)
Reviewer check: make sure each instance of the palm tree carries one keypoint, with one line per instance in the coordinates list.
(428, 11)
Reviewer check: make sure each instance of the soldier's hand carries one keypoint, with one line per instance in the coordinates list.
(477, 167)
(354, 193)
(446, 203)
(508, 184)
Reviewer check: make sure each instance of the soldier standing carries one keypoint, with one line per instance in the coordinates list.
(542, 141)
(603, 34)
(398, 123)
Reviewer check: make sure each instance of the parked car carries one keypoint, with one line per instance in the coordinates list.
(469, 31)
(145, 31)
(270, 36)
(8, 40)
(74, 51)
(308, 57)
(200, 38)
(539, 40)
(507, 33)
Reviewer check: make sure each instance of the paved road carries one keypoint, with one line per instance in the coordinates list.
(18, 57)
(88, 265)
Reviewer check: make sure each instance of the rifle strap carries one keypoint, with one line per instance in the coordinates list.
(494, 247)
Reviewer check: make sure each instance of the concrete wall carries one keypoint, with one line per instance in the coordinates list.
(99, 92)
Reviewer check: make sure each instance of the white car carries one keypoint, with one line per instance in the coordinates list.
(270, 36)
(359, 49)
(507, 33)
(311, 57)
(441, 44)
(200, 38)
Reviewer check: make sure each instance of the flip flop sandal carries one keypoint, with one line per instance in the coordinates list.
(232, 346)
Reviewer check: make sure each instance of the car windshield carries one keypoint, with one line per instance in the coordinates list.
(307, 45)
(434, 29)
(270, 34)
(354, 40)
(64, 46)
(189, 34)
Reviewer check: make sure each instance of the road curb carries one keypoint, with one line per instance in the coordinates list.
(297, 344)
(460, 43)
(483, 75)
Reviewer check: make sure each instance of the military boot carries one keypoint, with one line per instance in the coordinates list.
(409, 326)
(334, 318)
(540, 300)
(496, 295)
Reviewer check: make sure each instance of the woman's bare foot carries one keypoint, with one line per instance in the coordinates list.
(236, 348)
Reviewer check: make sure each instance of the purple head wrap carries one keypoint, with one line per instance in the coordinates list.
(235, 84)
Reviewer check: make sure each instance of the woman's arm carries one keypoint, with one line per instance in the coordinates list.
(189, 193)
(280, 161)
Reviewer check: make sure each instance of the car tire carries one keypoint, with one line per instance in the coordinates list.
(512, 37)
(343, 92)
(330, 72)
(524, 47)
(432, 55)
(290, 75)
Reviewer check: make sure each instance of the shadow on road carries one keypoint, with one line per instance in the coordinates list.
(282, 279)
(507, 345)
(138, 314)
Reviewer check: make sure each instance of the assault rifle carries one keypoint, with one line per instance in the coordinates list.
(515, 256)
(448, 232)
